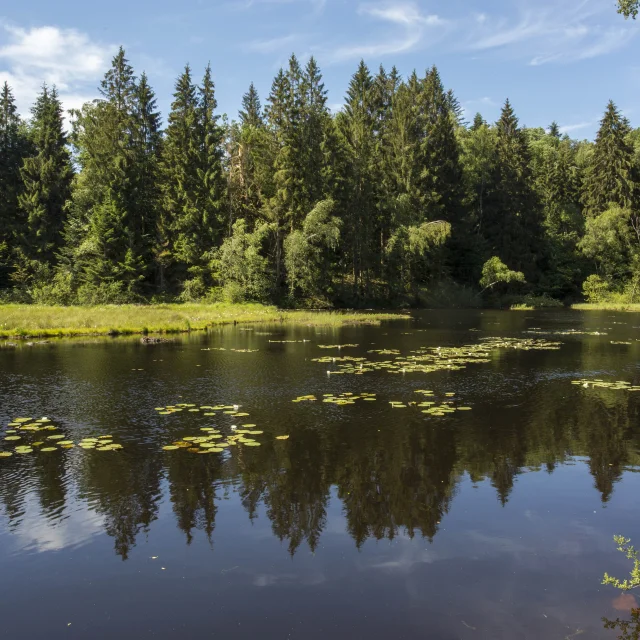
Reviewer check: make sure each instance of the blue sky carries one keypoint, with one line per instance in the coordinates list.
(554, 59)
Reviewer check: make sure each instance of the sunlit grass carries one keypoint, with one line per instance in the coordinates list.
(44, 321)
(606, 306)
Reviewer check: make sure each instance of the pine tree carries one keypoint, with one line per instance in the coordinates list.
(104, 248)
(147, 142)
(554, 130)
(512, 219)
(251, 113)
(210, 174)
(46, 176)
(611, 175)
(13, 148)
(440, 173)
(357, 123)
(315, 115)
(478, 121)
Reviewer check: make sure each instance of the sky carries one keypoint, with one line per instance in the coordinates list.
(559, 60)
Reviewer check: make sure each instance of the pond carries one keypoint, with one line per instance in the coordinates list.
(469, 487)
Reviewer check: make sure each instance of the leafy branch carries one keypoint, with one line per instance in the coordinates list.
(633, 554)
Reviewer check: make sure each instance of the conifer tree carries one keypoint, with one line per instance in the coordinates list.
(357, 124)
(251, 113)
(104, 247)
(512, 222)
(13, 148)
(46, 176)
(610, 177)
(147, 143)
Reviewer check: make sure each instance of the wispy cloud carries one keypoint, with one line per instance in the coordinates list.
(405, 15)
(568, 128)
(65, 57)
(552, 32)
(273, 45)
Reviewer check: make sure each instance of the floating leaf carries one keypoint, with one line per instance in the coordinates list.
(282, 437)
(48, 449)
(5, 454)
(170, 447)
(13, 438)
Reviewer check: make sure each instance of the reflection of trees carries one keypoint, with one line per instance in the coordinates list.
(192, 486)
(125, 489)
(629, 629)
(399, 478)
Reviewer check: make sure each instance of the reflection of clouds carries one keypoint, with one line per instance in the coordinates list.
(38, 534)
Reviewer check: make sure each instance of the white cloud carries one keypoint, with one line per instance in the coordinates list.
(65, 57)
(405, 15)
(559, 31)
(273, 45)
(568, 128)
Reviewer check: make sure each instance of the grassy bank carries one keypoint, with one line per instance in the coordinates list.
(18, 321)
(607, 306)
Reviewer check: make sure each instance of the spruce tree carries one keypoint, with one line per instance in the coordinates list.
(440, 173)
(13, 148)
(147, 142)
(105, 248)
(180, 164)
(251, 113)
(610, 176)
(46, 177)
(512, 218)
(357, 123)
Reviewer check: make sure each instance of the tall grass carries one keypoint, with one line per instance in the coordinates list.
(607, 306)
(18, 320)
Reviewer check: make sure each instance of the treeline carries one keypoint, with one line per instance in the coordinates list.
(395, 200)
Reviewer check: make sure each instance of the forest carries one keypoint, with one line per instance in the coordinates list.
(396, 200)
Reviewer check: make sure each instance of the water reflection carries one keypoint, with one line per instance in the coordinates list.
(392, 472)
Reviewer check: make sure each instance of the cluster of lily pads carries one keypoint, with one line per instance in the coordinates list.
(212, 439)
(429, 404)
(235, 350)
(342, 399)
(565, 332)
(428, 360)
(618, 385)
(209, 410)
(30, 435)
(338, 346)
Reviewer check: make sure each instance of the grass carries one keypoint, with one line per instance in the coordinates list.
(33, 321)
(607, 306)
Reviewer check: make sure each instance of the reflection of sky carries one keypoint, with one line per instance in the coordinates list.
(530, 569)
(37, 534)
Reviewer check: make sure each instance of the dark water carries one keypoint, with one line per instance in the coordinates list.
(369, 522)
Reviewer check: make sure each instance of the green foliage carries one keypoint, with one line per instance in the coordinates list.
(596, 289)
(241, 265)
(629, 8)
(307, 251)
(395, 200)
(624, 546)
(496, 272)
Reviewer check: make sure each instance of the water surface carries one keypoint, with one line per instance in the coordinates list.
(368, 522)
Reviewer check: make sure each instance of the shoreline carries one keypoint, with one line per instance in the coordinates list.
(24, 321)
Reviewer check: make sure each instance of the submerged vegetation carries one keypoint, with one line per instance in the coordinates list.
(393, 201)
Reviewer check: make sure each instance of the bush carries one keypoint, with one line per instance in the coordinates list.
(596, 289)
(193, 290)
(105, 293)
